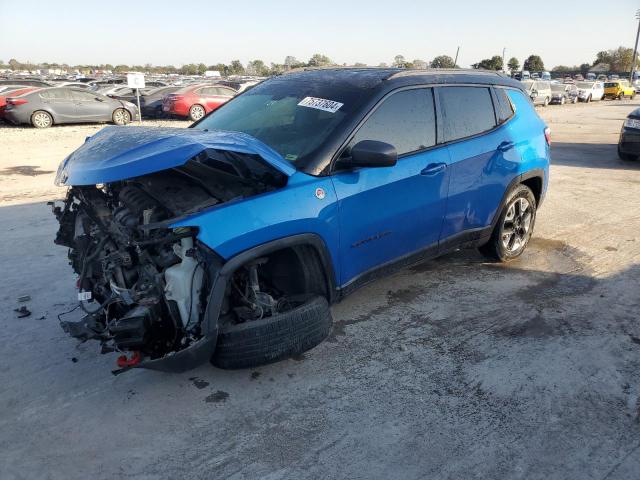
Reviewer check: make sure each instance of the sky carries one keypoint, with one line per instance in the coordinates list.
(175, 33)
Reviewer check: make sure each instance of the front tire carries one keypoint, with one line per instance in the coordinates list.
(121, 116)
(626, 156)
(546, 101)
(41, 119)
(589, 99)
(562, 100)
(196, 112)
(513, 230)
(283, 335)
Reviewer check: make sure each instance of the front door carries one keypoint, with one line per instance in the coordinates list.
(387, 213)
(91, 107)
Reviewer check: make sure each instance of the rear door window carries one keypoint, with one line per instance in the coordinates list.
(466, 111)
(405, 120)
(56, 94)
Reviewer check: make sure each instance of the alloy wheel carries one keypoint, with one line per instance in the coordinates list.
(517, 225)
(197, 112)
(42, 120)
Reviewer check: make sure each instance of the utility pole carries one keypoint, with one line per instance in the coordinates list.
(635, 49)
(455, 62)
(504, 49)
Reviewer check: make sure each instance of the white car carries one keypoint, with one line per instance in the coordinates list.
(590, 91)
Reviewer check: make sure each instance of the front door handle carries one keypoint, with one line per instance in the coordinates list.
(504, 146)
(433, 168)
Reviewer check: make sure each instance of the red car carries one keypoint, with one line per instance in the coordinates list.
(13, 93)
(195, 101)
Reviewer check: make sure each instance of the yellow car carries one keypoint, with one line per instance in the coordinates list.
(618, 89)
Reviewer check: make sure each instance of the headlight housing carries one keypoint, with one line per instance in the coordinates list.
(632, 123)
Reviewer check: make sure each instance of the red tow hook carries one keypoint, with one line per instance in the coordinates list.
(124, 362)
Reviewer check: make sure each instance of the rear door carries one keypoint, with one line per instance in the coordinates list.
(215, 96)
(91, 107)
(483, 159)
(387, 213)
(60, 103)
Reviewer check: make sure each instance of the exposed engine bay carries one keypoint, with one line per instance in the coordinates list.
(144, 286)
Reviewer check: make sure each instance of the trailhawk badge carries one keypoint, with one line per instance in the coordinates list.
(320, 193)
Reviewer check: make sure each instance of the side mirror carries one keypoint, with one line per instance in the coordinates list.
(370, 153)
(100, 99)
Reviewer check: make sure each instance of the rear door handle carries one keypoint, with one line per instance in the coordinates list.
(504, 146)
(433, 168)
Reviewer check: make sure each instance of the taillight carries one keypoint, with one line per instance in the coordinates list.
(175, 98)
(16, 101)
(547, 135)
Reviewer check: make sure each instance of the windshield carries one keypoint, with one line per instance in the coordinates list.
(610, 84)
(584, 85)
(293, 117)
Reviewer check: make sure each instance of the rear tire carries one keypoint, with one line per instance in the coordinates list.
(196, 112)
(121, 116)
(546, 101)
(588, 99)
(274, 338)
(41, 119)
(515, 224)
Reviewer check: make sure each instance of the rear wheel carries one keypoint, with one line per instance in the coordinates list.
(41, 119)
(196, 112)
(546, 101)
(121, 116)
(589, 99)
(513, 230)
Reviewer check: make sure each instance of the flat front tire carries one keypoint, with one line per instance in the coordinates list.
(513, 230)
(274, 338)
(41, 119)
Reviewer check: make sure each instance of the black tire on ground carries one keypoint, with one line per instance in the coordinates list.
(121, 116)
(589, 99)
(196, 112)
(280, 336)
(625, 156)
(494, 248)
(546, 101)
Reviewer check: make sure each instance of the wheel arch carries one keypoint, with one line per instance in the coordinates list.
(534, 179)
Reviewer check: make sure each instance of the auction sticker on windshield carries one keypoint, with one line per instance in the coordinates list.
(321, 104)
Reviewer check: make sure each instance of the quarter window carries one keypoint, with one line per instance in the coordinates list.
(405, 120)
(504, 109)
(466, 111)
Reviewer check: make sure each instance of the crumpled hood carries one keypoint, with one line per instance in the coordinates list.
(119, 153)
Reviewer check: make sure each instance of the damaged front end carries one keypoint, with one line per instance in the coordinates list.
(146, 287)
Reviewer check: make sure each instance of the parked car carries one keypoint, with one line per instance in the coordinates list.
(522, 76)
(229, 240)
(195, 101)
(578, 77)
(56, 105)
(629, 141)
(562, 93)
(614, 77)
(150, 99)
(602, 77)
(590, 77)
(619, 89)
(545, 76)
(539, 91)
(14, 92)
(590, 91)
(27, 82)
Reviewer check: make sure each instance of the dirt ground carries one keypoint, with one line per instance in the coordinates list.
(454, 369)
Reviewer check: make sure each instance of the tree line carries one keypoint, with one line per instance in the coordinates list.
(619, 60)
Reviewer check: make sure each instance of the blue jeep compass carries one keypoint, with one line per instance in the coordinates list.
(227, 241)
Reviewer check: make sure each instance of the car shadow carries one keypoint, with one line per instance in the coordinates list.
(590, 155)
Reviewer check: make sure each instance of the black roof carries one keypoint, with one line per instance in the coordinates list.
(399, 77)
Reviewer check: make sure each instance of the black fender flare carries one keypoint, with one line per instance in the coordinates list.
(534, 173)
